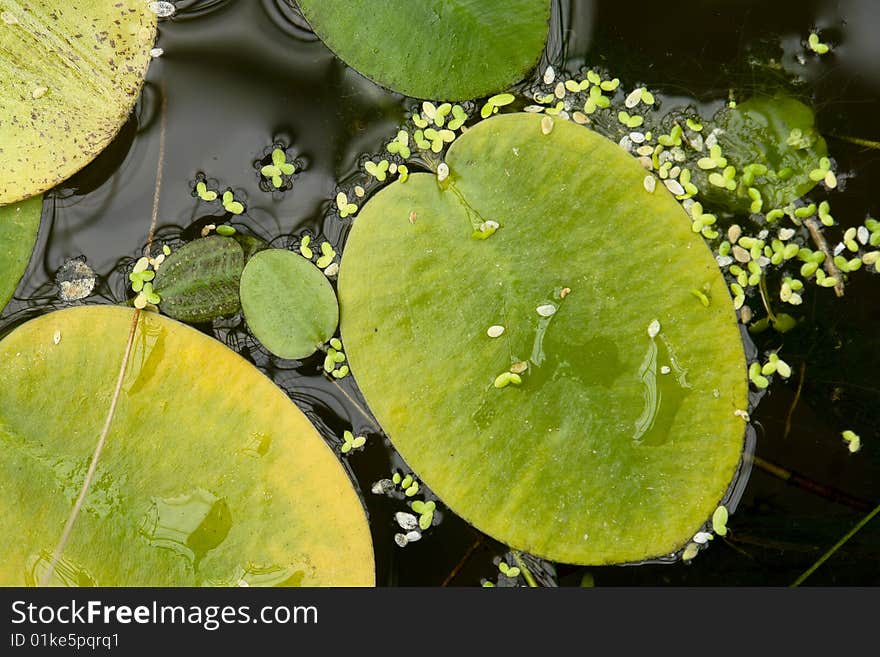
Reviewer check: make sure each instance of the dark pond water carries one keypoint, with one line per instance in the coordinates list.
(239, 76)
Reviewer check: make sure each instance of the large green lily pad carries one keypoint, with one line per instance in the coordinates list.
(210, 476)
(18, 232)
(71, 74)
(446, 49)
(598, 456)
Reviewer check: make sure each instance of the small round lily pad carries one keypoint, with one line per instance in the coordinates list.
(71, 75)
(443, 49)
(288, 303)
(210, 476)
(566, 436)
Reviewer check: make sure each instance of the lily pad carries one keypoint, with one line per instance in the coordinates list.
(196, 485)
(289, 305)
(199, 281)
(444, 49)
(599, 426)
(18, 232)
(777, 132)
(72, 74)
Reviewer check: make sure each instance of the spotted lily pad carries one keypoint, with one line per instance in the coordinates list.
(18, 231)
(450, 49)
(195, 486)
(199, 281)
(71, 74)
(777, 133)
(288, 303)
(599, 426)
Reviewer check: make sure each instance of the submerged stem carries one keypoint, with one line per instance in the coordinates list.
(834, 548)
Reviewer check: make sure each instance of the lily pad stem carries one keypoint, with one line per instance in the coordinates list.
(830, 268)
(765, 298)
(93, 466)
(526, 573)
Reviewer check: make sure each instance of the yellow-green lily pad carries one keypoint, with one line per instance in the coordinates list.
(598, 426)
(18, 232)
(210, 474)
(71, 74)
(445, 49)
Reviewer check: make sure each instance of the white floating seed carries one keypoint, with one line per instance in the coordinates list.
(646, 162)
(741, 255)
(442, 172)
(407, 521)
(839, 248)
(675, 172)
(763, 234)
(495, 331)
(734, 233)
(534, 109)
(650, 183)
(786, 234)
(412, 537)
(633, 98)
(559, 91)
(162, 9)
(665, 369)
(645, 150)
(745, 314)
(580, 118)
(382, 486)
(401, 540)
(701, 538)
(332, 269)
(547, 125)
(863, 235)
(741, 413)
(549, 75)
(56, 338)
(625, 143)
(156, 52)
(763, 261)
(547, 310)
(637, 138)
(654, 328)
(723, 261)
(674, 186)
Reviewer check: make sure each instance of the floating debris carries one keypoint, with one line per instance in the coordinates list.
(76, 279)
(407, 521)
(382, 487)
(163, 9)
